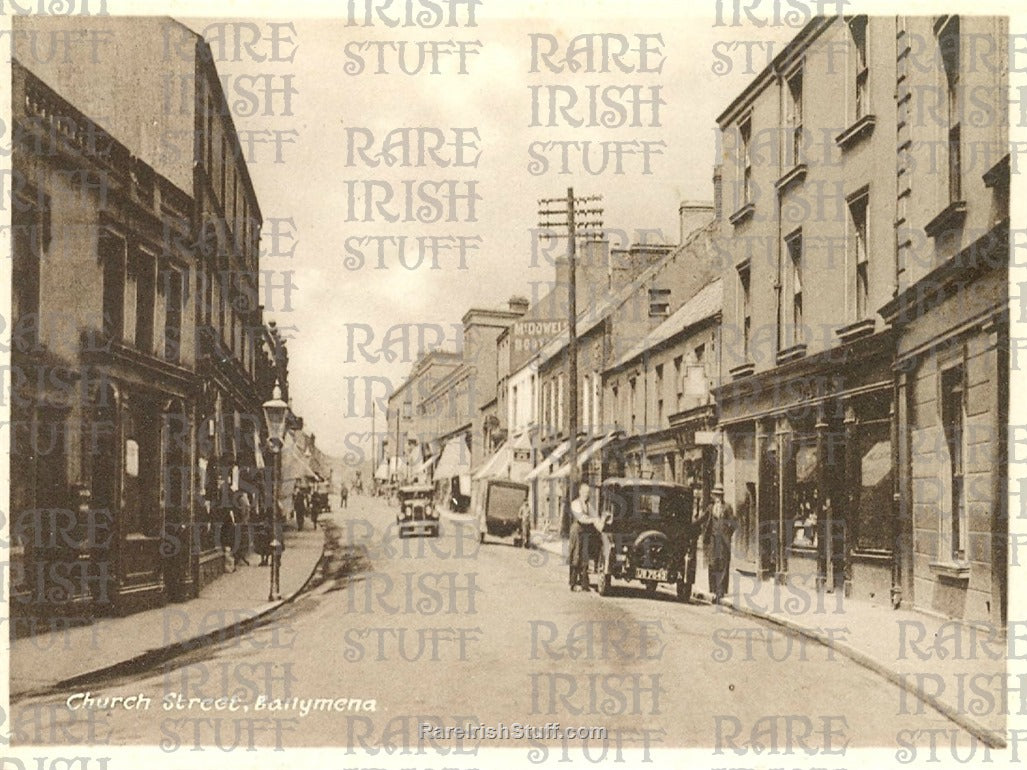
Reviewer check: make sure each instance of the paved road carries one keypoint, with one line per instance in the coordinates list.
(447, 632)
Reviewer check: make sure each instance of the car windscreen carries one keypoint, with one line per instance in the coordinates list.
(647, 502)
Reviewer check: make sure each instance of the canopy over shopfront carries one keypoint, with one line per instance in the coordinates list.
(545, 468)
(455, 459)
(497, 466)
(585, 454)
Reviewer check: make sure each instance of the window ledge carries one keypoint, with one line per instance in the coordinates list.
(742, 214)
(952, 570)
(998, 175)
(795, 176)
(794, 353)
(743, 370)
(856, 132)
(853, 331)
(949, 218)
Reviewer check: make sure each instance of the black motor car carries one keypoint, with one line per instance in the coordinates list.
(647, 534)
(417, 512)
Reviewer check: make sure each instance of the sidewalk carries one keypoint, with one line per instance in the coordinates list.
(230, 604)
(952, 667)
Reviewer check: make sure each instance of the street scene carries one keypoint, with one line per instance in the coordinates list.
(635, 391)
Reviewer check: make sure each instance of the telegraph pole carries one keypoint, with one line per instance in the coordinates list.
(575, 228)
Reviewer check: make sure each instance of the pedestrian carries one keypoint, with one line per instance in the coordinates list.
(719, 528)
(583, 536)
(244, 533)
(343, 496)
(299, 506)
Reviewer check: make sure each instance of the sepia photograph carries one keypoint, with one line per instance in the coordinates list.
(473, 383)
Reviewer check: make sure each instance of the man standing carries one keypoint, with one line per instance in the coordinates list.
(717, 533)
(583, 536)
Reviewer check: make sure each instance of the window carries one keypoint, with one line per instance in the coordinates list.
(659, 303)
(795, 118)
(746, 309)
(615, 391)
(860, 253)
(953, 415)
(745, 158)
(597, 403)
(679, 383)
(112, 256)
(144, 268)
(559, 403)
(172, 289)
(659, 395)
(949, 43)
(794, 246)
(634, 400)
(30, 219)
(858, 30)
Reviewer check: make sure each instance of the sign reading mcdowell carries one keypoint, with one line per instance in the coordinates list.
(529, 336)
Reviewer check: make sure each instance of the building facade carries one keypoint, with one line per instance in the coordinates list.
(826, 204)
(140, 228)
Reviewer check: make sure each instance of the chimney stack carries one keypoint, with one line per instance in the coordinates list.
(694, 214)
(518, 304)
(718, 192)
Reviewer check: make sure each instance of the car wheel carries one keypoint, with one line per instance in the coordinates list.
(650, 586)
(604, 575)
(684, 591)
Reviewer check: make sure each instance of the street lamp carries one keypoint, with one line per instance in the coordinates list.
(275, 412)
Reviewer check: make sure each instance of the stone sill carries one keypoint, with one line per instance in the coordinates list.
(957, 571)
(998, 175)
(742, 214)
(795, 176)
(951, 216)
(794, 353)
(856, 132)
(744, 370)
(853, 331)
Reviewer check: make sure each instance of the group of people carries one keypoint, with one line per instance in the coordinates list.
(717, 524)
(246, 528)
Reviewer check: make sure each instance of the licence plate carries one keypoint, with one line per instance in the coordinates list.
(644, 573)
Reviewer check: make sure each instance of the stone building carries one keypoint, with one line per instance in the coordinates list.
(846, 184)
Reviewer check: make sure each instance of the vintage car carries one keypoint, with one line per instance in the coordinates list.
(503, 511)
(417, 512)
(647, 533)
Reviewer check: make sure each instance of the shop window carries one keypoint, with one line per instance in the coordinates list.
(806, 504)
(953, 413)
(874, 486)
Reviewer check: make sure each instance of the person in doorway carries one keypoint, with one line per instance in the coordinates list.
(718, 530)
(583, 536)
(244, 532)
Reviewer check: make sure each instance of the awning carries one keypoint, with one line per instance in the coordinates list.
(423, 470)
(546, 466)
(455, 459)
(497, 466)
(585, 455)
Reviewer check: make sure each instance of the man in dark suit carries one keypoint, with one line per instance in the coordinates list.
(719, 528)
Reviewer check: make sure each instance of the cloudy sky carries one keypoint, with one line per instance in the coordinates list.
(338, 301)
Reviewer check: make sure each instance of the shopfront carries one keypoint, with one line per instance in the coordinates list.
(809, 470)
